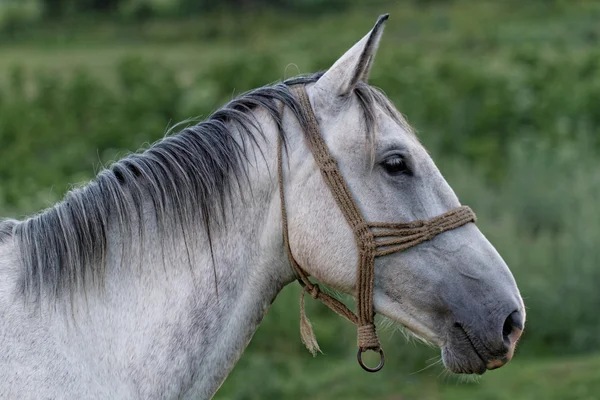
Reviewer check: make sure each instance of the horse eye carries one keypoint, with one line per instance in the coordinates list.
(395, 165)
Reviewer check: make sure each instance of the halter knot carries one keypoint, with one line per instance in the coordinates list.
(363, 233)
(367, 338)
(313, 291)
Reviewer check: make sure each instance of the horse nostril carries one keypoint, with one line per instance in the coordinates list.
(512, 328)
(511, 332)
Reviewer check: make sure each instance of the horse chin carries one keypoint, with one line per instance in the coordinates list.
(460, 357)
(463, 362)
(458, 354)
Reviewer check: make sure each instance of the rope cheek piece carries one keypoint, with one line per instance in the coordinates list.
(372, 239)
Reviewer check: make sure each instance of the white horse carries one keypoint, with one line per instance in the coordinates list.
(150, 281)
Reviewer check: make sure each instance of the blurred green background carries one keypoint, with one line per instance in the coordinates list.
(504, 94)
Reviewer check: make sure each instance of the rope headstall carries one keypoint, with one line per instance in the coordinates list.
(372, 239)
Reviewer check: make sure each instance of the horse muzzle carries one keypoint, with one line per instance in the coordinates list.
(471, 349)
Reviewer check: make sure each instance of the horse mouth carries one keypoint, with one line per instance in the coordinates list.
(460, 355)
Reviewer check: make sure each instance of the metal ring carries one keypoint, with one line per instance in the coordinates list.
(369, 369)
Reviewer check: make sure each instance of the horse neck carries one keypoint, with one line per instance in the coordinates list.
(178, 328)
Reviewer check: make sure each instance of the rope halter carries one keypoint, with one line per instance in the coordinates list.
(372, 239)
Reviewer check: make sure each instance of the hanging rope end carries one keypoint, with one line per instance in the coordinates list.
(306, 331)
(308, 336)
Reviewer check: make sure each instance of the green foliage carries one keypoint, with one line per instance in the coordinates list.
(507, 100)
(80, 118)
(144, 9)
(15, 16)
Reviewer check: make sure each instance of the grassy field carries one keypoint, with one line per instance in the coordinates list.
(483, 30)
(505, 95)
(547, 379)
(555, 379)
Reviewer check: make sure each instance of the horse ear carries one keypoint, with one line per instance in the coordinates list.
(353, 66)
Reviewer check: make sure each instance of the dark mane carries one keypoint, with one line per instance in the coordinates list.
(188, 177)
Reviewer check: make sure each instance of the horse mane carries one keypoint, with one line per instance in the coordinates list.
(187, 177)
(6, 228)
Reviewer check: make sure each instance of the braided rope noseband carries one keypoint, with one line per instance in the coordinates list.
(373, 239)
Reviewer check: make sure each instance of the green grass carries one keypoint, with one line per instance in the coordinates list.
(324, 378)
(562, 379)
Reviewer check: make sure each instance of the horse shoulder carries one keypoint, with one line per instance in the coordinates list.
(32, 364)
